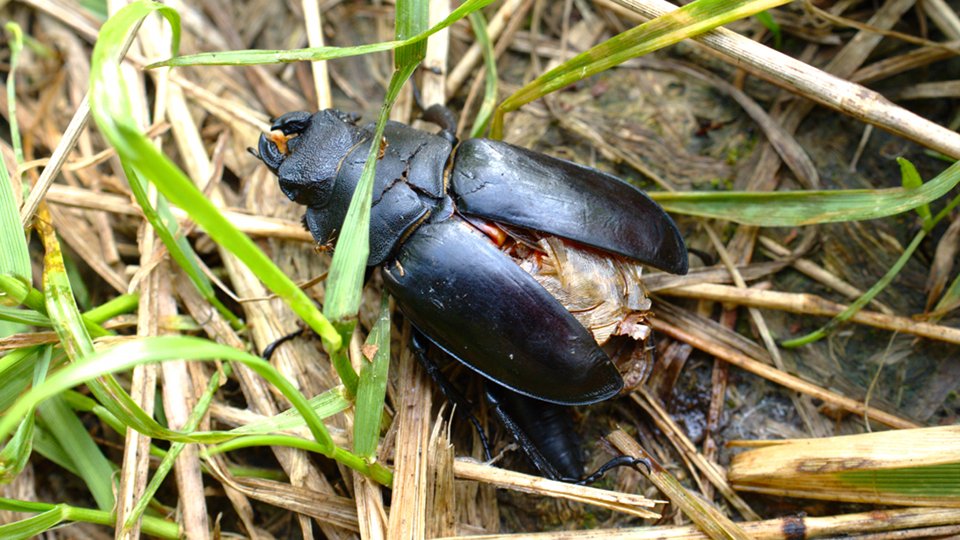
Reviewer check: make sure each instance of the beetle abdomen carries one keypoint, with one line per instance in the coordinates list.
(604, 292)
(599, 290)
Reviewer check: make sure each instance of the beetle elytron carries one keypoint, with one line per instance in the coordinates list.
(471, 238)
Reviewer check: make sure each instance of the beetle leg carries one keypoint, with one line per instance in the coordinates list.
(619, 461)
(439, 115)
(545, 434)
(542, 430)
(463, 406)
(272, 347)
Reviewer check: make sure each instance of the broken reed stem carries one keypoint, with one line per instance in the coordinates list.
(821, 274)
(710, 470)
(627, 503)
(826, 468)
(814, 84)
(434, 82)
(706, 516)
(313, 22)
(408, 506)
(809, 304)
(773, 374)
(441, 486)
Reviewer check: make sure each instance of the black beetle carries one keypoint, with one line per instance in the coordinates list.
(461, 232)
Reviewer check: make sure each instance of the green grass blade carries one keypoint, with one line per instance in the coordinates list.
(327, 404)
(23, 316)
(82, 403)
(124, 303)
(490, 88)
(15, 291)
(33, 526)
(58, 302)
(15, 369)
(412, 19)
(911, 179)
(113, 119)
(14, 255)
(46, 445)
(16, 453)
(345, 283)
(166, 227)
(690, 20)
(52, 515)
(255, 57)
(72, 332)
(252, 441)
(119, 305)
(160, 217)
(149, 350)
(15, 41)
(770, 24)
(882, 283)
(863, 300)
(373, 385)
(16, 365)
(34, 300)
(795, 208)
(374, 471)
(95, 469)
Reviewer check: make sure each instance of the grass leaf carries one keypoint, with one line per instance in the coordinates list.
(373, 385)
(255, 57)
(690, 20)
(14, 255)
(111, 111)
(796, 208)
(889, 467)
(51, 515)
(158, 349)
(910, 178)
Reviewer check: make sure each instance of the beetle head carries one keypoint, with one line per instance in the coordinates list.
(307, 152)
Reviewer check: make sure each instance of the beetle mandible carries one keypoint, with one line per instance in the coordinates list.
(473, 238)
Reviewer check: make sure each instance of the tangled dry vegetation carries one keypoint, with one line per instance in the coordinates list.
(706, 114)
